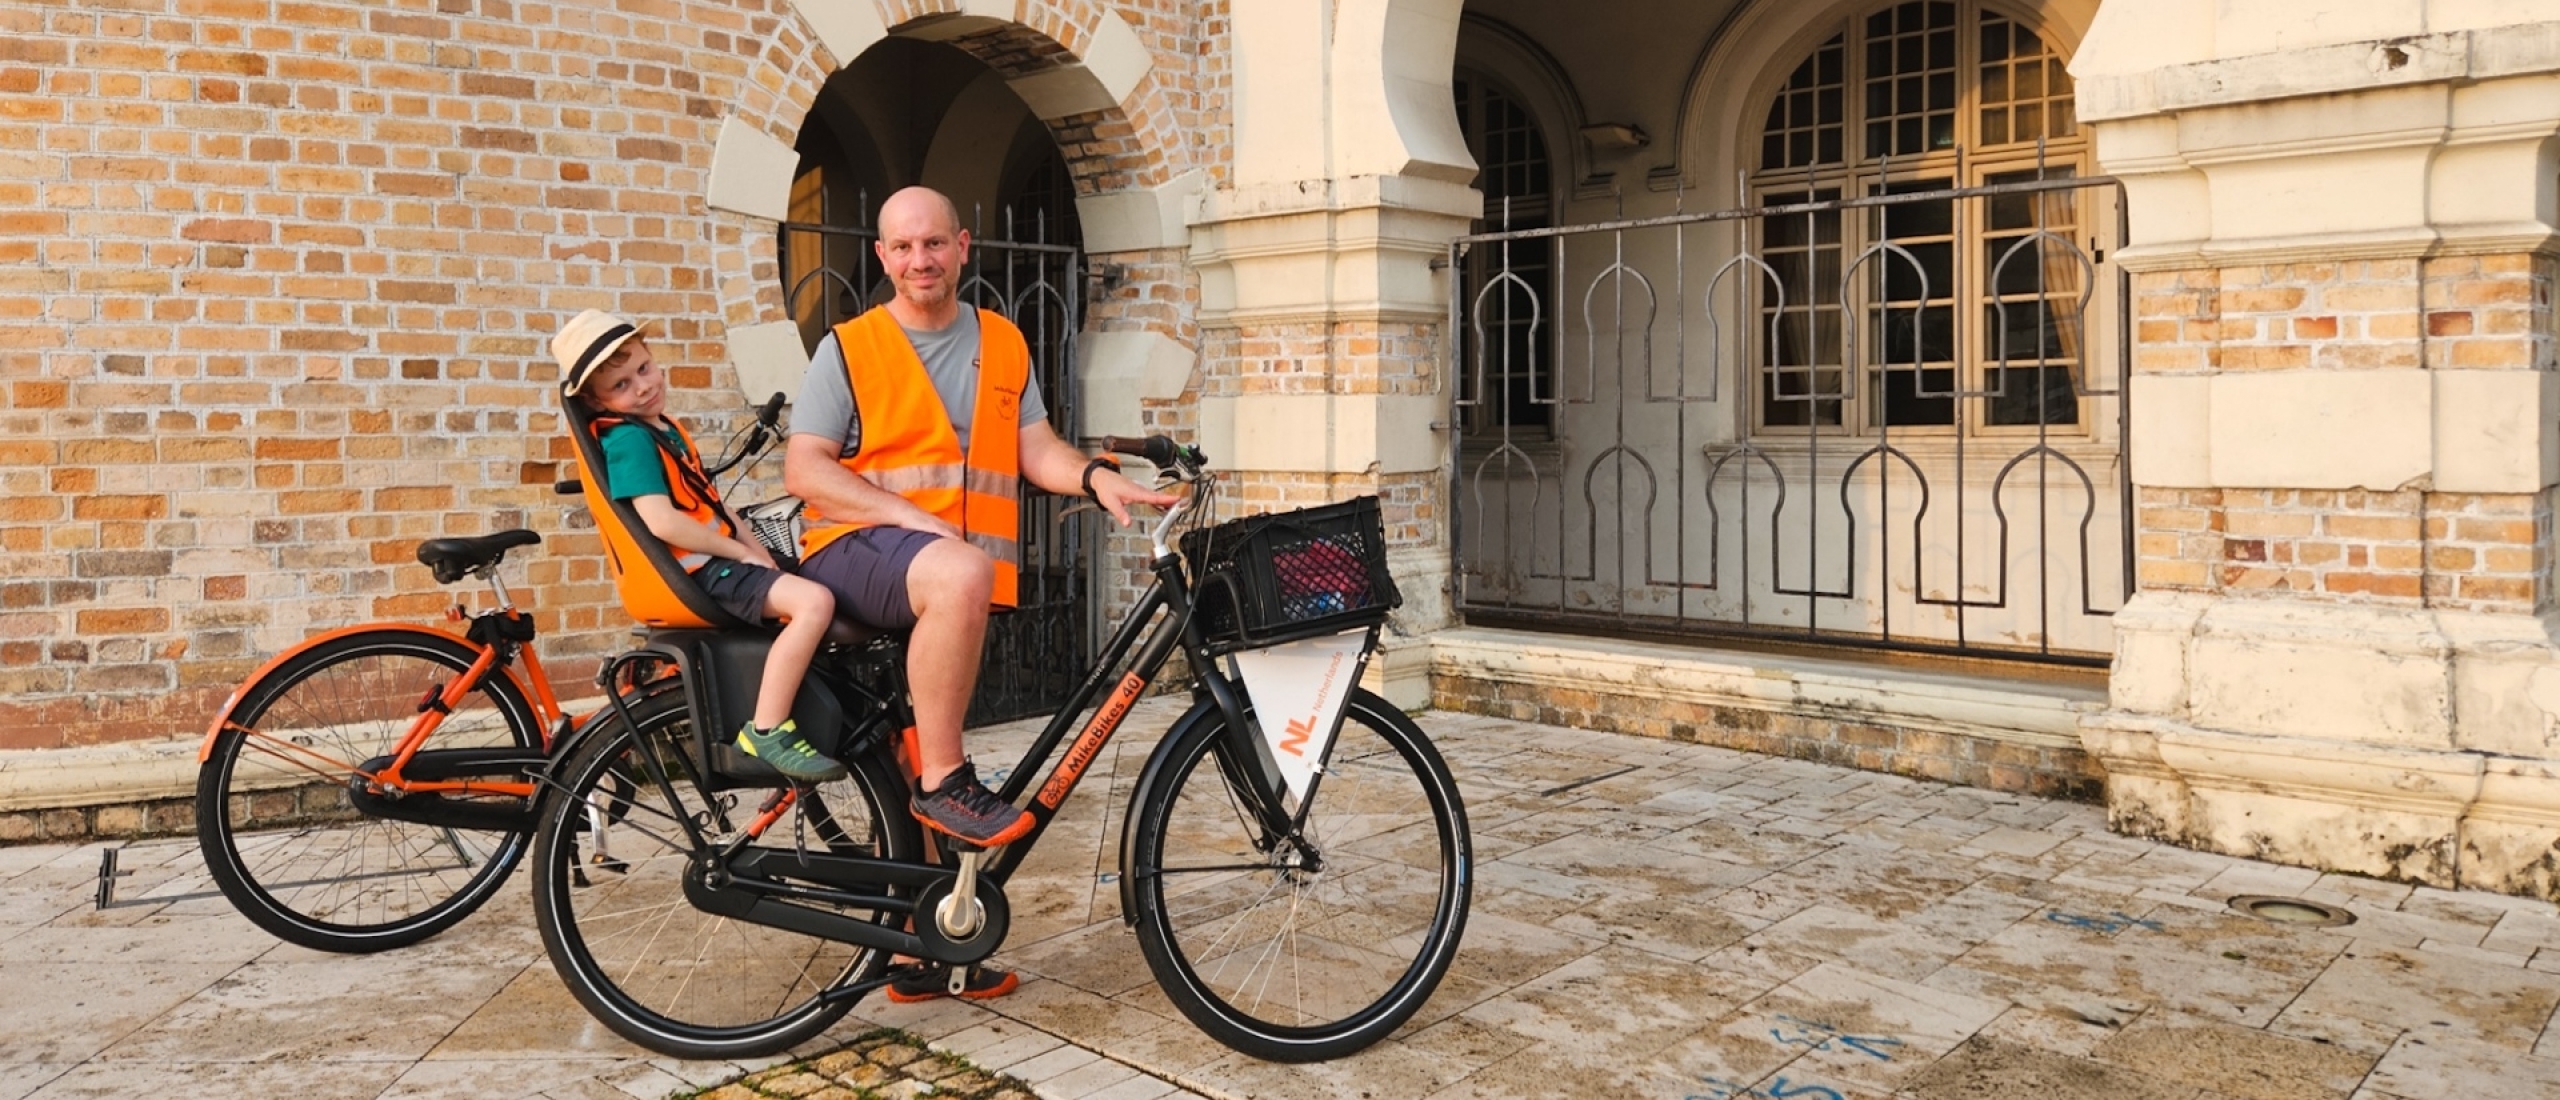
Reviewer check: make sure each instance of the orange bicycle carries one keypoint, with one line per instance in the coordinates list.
(373, 785)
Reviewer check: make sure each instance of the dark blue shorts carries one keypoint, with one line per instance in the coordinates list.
(867, 570)
(739, 588)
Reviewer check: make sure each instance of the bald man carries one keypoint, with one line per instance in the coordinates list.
(915, 426)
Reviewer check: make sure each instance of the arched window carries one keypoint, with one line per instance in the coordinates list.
(1950, 328)
(1514, 173)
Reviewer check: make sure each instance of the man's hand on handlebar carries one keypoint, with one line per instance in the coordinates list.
(1115, 493)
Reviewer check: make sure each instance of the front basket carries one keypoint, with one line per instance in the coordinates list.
(1263, 580)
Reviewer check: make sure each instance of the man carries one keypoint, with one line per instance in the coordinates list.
(914, 427)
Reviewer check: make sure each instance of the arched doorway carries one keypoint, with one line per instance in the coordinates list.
(914, 112)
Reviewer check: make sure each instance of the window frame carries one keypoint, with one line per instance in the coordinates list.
(1484, 419)
(1964, 162)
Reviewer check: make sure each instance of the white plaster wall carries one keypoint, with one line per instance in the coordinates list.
(1282, 91)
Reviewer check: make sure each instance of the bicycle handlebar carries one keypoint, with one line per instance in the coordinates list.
(1159, 450)
(759, 435)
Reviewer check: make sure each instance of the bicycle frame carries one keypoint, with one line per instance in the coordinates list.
(743, 893)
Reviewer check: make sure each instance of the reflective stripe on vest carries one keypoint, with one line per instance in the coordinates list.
(910, 448)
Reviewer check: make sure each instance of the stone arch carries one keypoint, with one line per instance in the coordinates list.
(1082, 69)
(1539, 83)
(1729, 87)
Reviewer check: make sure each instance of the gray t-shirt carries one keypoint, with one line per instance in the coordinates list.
(825, 406)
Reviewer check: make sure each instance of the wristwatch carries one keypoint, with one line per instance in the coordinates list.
(1099, 463)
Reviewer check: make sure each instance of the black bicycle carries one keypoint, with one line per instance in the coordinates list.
(1295, 860)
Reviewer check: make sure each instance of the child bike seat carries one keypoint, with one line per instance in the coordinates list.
(654, 587)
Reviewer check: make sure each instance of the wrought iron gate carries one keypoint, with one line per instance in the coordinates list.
(1893, 420)
(1034, 653)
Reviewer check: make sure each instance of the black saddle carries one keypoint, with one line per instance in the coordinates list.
(454, 559)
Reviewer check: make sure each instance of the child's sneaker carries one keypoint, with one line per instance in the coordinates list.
(782, 749)
(967, 810)
(930, 980)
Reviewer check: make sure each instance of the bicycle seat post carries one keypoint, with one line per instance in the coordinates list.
(506, 602)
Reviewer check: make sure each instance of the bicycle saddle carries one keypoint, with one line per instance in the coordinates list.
(453, 559)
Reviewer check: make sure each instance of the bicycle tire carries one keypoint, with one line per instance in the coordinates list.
(638, 955)
(281, 837)
(1285, 963)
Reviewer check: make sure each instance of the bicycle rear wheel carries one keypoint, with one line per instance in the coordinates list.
(1307, 948)
(281, 834)
(634, 950)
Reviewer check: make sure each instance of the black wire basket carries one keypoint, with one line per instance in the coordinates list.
(776, 523)
(1263, 580)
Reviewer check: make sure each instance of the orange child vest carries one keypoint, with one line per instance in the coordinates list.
(909, 447)
(644, 593)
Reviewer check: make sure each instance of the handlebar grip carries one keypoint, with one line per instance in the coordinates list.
(568, 487)
(1156, 449)
(771, 412)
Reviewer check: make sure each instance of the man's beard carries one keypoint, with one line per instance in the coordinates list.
(933, 297)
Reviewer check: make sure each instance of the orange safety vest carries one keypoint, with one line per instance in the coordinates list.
(910, 448)
(643, 592)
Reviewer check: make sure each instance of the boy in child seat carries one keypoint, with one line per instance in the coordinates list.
(650, 461)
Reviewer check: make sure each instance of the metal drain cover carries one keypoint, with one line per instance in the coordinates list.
(2295, 911)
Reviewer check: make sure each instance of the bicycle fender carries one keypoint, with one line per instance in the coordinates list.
(1203, 710)
(222, 718)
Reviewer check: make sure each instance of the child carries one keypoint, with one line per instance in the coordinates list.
(651, 462)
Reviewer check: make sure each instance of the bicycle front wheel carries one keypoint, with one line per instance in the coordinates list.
(1310, 946)
(281, 833)
(610, 860)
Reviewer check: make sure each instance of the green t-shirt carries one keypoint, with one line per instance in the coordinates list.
(632, 464)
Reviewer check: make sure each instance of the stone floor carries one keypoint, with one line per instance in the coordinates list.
(1651, 919)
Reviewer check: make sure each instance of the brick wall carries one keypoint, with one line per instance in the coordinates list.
(275, 280)
(2412, 547)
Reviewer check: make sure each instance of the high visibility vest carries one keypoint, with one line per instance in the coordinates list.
(910, 448)
(644, 593)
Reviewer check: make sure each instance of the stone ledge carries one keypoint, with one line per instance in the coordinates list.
(2451, 818)
(128, 789)
(2007, 735)
(131, 771)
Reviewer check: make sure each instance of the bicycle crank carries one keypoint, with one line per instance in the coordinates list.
(962, 918)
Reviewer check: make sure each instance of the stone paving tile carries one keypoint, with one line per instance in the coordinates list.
(1861, 1028)
(394, 1007)
(2049, 1031)
(338, 1080)
(1990, 1070)
(2240, 1062)
(1889, 948)
(72, 1011)
(471, 1080)
(17, 1079)
(2428, 1066)
(2435, 994)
